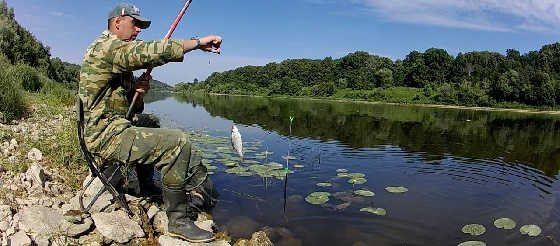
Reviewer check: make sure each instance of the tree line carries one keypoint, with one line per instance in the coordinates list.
(19, 46)
(27, 70)
(479, 78)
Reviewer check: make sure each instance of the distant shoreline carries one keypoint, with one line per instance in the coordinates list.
(441, 106)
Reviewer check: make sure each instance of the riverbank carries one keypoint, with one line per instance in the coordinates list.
(442, 106)
(41, 173)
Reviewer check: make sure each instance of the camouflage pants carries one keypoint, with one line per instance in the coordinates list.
(167, 149)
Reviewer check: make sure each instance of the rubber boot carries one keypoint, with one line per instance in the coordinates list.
(180, 225)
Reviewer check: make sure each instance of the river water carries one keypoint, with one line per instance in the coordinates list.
(460, 167)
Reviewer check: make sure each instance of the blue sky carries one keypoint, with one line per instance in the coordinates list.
(259, 32)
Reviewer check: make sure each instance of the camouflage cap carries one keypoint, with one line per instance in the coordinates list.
(123, 9)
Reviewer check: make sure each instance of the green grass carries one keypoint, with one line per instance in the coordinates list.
(12, 103)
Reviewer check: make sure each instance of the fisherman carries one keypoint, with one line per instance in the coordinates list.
(107, 87)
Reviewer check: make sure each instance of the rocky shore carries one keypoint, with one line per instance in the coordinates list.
(39, 206)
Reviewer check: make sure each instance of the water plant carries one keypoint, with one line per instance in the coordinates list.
(399, 189)
(474, 229)
(472, 243)
(318, 198)
(376, 211)
(505, 223)
(530, 230)
(364, 193)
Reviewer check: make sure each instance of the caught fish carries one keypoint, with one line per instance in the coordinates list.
(236, 141)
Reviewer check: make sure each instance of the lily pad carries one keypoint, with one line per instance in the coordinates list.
(236, 170)
(289, 157)
(505, 223)
(377, 211)
(210, 167)
(244, 174)
(318, 198)
(342, 175)
(274, 165)
(231, 164)
(341, 170)
(298, 166)
(324, 184)
(472, 243)
(357, 180)
(356, 175)
(364, 193)
(250, 162)
(399, 189)
(474, 229)
(530, 230)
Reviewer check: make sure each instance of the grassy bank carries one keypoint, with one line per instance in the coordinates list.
(403, 96)
(42, 119)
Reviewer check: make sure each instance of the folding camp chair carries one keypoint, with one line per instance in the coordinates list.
(94, 168)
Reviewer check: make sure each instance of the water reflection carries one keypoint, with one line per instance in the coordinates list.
(513, 137)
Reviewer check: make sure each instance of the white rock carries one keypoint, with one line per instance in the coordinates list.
(160, 222)
(35, 155)
(42, 222)
(152, 212)
(94, 187)
(117, 226)
(13, 144)
(4, 226)
(20, 239)
(102, 204)
(5, 213)
(36, 173)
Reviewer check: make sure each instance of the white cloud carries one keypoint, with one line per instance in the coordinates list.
(489, 15)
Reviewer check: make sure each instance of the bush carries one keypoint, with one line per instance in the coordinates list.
(27, 76)
(12, 104)
(56, 93)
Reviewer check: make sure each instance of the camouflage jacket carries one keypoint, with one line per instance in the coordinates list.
(106, 82)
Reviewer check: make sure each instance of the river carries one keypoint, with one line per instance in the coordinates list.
(459, 167)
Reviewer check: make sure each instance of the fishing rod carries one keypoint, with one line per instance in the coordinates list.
(167, 36)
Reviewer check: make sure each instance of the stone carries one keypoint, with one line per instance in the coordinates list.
(92, 239)
(73, 216)
(5, 213)
(35, 155)
(102, 204)
(13, 144)
(152, 212)
(44, 222)
(20, 239)
(160, 222)
(260, 239)
(166, 240)
(117, 226)
(4, 226)
(94, 187)
(36, 173)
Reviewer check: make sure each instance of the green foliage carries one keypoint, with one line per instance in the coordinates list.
(12, 103)
(26, 76)
(56, 93)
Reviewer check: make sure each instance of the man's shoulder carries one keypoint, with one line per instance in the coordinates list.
(103, 44)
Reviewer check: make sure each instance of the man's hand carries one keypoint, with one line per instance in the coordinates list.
(142, 85)
(211, 44)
